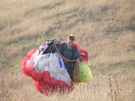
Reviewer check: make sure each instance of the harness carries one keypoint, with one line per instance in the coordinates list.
(49, 49)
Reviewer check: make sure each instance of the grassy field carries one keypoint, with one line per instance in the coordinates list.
(105, 28)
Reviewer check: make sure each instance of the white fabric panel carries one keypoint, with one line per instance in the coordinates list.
(53, 64)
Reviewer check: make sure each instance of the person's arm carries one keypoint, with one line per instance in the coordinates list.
(58, 44)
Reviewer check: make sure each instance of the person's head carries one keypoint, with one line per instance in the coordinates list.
(70, 40)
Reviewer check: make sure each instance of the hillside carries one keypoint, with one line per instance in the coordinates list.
(106, 29)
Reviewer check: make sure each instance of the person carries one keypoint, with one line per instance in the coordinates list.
(69, 51)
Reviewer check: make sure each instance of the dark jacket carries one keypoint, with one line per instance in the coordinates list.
(71, 54)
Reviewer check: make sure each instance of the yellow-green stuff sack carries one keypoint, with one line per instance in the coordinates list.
(85, 74)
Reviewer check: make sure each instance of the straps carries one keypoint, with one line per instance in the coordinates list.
(73, 50)
(76, 70)
(65, 59)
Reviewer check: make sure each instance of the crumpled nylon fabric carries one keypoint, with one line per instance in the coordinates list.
(54, 64)
(44, 83)
(44, 80)
(85, 74)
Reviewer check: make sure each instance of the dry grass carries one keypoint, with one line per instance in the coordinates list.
(18, 87)
(106, 29)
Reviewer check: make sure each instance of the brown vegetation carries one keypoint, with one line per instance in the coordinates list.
(106, 29)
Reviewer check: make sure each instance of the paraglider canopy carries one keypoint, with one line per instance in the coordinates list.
(44, 83)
